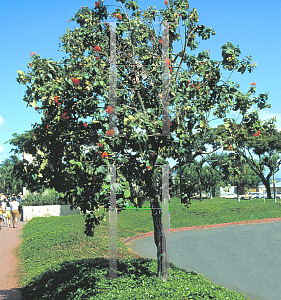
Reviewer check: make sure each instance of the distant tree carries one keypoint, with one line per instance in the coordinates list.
(260, 146)
(9, 183)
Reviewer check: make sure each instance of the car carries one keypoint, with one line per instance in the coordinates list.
(254, 195)
(264, 196)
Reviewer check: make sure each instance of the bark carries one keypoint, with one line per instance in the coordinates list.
(159, 235)
(267, 186)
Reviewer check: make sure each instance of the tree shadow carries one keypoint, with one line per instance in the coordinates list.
(85, 274)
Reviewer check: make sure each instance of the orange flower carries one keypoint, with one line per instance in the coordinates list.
(110, 109)
(104, 155)
(64, 116)
(257, 134)
(166, 2)
(56, 99)
(36, 107)
(32, 53)
(148, 168)
(119, 16)
(110, 132)
(160, 41)
(97, 48)
(230, 147)
(197, 87)
(75, 81)
(85, 125)
(99, 144)
(97, 4)
(167, 62)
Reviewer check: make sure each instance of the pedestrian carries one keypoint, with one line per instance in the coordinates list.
(1, 216)
(8, 213)
(3, 205)
(2, 197)
(15, 211)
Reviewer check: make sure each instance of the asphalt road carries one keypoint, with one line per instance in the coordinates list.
(243, 258)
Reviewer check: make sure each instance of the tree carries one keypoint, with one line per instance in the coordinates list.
(234, 170)
(259, 146)
(8, 181)
(80, 133)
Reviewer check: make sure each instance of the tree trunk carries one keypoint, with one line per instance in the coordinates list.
(159, 239)
(159, 235)
(267, 186)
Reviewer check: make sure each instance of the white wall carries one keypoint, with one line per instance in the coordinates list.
(30, 212)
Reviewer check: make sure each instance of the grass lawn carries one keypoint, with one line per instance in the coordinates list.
(59, 262)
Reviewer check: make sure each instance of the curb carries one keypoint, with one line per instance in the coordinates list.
(202, 227)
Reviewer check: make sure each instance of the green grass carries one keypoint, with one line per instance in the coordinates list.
(59, 262)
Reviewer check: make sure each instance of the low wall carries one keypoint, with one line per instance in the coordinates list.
(30, 212)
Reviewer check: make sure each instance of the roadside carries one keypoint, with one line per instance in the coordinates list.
(10, 239)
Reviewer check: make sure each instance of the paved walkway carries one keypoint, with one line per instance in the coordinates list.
(10, 238)
(244, 258)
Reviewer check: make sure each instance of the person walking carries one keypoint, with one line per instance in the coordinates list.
(3, 205)
(15, 211)
(1, 216)
(8, 214)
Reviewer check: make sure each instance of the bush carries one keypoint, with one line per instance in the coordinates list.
(48, 197)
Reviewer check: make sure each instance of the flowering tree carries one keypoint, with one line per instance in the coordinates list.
(258, 146)
(83, 130)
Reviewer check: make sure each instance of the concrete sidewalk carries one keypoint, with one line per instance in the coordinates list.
(10, 239)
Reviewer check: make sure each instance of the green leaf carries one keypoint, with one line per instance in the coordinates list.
(127, 193)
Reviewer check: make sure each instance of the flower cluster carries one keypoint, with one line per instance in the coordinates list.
(75, 81)
(65, 116)
(167, 62)
(97, 4)
(104, 155)
(97, 48)
(166, 2)
(257, 134)
(110, 132)
(32, 53)
(110, 109)
(253, 83)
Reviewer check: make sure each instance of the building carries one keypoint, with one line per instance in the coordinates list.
(262, 188)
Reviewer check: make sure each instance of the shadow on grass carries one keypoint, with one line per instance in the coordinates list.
(83, 275)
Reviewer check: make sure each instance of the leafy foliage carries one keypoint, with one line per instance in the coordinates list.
(47, 197)
(9, 184)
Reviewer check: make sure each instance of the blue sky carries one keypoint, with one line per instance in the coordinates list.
(35, 26)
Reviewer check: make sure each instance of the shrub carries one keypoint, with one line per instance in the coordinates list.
(48, 197)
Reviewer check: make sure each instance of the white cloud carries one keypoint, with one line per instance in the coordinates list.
(1, 121)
